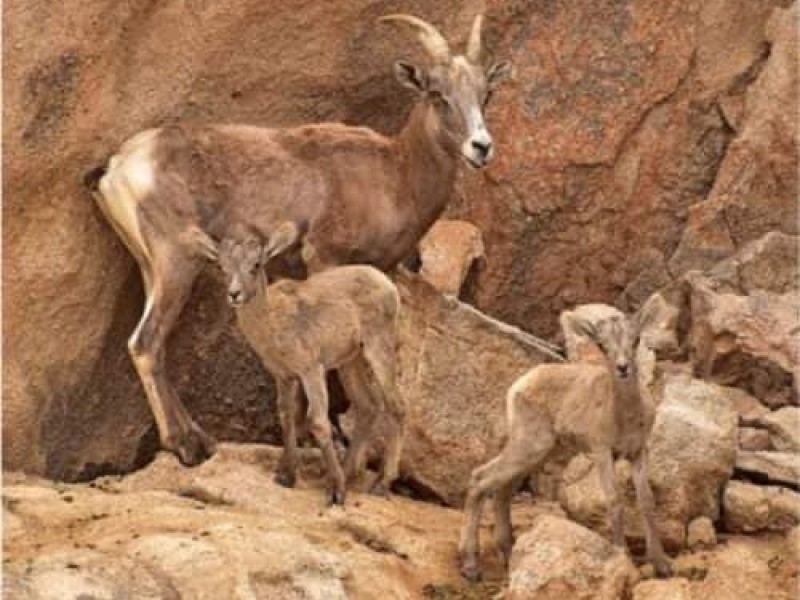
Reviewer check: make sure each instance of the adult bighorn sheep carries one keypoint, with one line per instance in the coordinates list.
(357, 196)
(343, 318)
(598, 408)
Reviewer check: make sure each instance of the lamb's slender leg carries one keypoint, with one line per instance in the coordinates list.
(168, 281)
(380, 353)
(522, 454)
(352, 377)
(644, 497)
(503, 534)
(319, 424)
(604, 460)
(289, 407)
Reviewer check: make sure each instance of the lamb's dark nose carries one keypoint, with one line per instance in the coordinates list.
(623, 370)
(234, 296)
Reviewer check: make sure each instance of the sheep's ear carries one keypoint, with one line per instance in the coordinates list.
(410, 76)
(201, 243)
(498, 73)
(283, 237)
(572, 324)
(656, 323)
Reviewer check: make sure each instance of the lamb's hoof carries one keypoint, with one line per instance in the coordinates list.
(192, 447)
(285, 478)
(380, 489)
(471, 572)
(336, 497)
(662, 568)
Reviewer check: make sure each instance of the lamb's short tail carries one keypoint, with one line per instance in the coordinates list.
(92, 178)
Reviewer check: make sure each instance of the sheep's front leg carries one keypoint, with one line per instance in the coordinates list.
(644, 497)
(320, 427)
(288, 406)
(604, 460)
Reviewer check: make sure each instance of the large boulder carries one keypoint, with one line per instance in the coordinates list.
(747, 341)
(448, 252)
(559, 559)
(455, 367)
(749, 508)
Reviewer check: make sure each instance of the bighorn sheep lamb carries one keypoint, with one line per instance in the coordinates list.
(597, 408)
(343, 318)
(360, 197)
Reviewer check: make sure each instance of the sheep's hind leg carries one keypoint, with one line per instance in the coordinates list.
(317, 394)
(168, 281)
(356, 386)
(503, 534)
(380, 354)
(520, 456)
(289, 407)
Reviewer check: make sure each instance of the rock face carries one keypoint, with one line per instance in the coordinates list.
(652, 152)
(638, 141)
(784, 428)
(749, 508)
(558, 558)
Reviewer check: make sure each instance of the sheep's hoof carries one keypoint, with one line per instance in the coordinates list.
(662, 568)
(285, 478)
(336, 497)
(380, 489)
(192, 447)
(470, 571)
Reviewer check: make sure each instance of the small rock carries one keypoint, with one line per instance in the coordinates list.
(749, 508)
(691, 566)
(752, 439)
(701, 534)
(781, 468)
(784, 428)
(670, 589)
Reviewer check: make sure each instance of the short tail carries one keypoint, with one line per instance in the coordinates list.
(92, 178)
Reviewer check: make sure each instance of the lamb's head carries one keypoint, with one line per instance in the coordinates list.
(610, 329)
(456, 90)
(241, 261)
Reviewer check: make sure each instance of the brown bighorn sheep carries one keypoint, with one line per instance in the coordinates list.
(343, 318)
(599, 408)
(358, 196)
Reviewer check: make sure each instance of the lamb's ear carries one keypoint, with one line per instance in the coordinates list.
(498, 73)
(201, 243)
(656, 323)
(572, 324)
(284, 236)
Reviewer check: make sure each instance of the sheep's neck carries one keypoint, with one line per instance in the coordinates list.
(428, 168)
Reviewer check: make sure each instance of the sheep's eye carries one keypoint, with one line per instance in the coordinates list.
(254, 269)
(439, 99)
(486, 99)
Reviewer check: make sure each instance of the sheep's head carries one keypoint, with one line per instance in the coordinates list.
(242, 260)
(457, 89)
(609, 329)
(627, 343)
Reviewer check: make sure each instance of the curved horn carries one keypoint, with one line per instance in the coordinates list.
(430, 37)
(474, 44)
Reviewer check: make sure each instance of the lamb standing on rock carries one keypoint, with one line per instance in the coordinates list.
(597, 408)
(343, 318)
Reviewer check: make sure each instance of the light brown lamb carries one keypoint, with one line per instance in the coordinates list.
(597, 408)
(344, 318)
